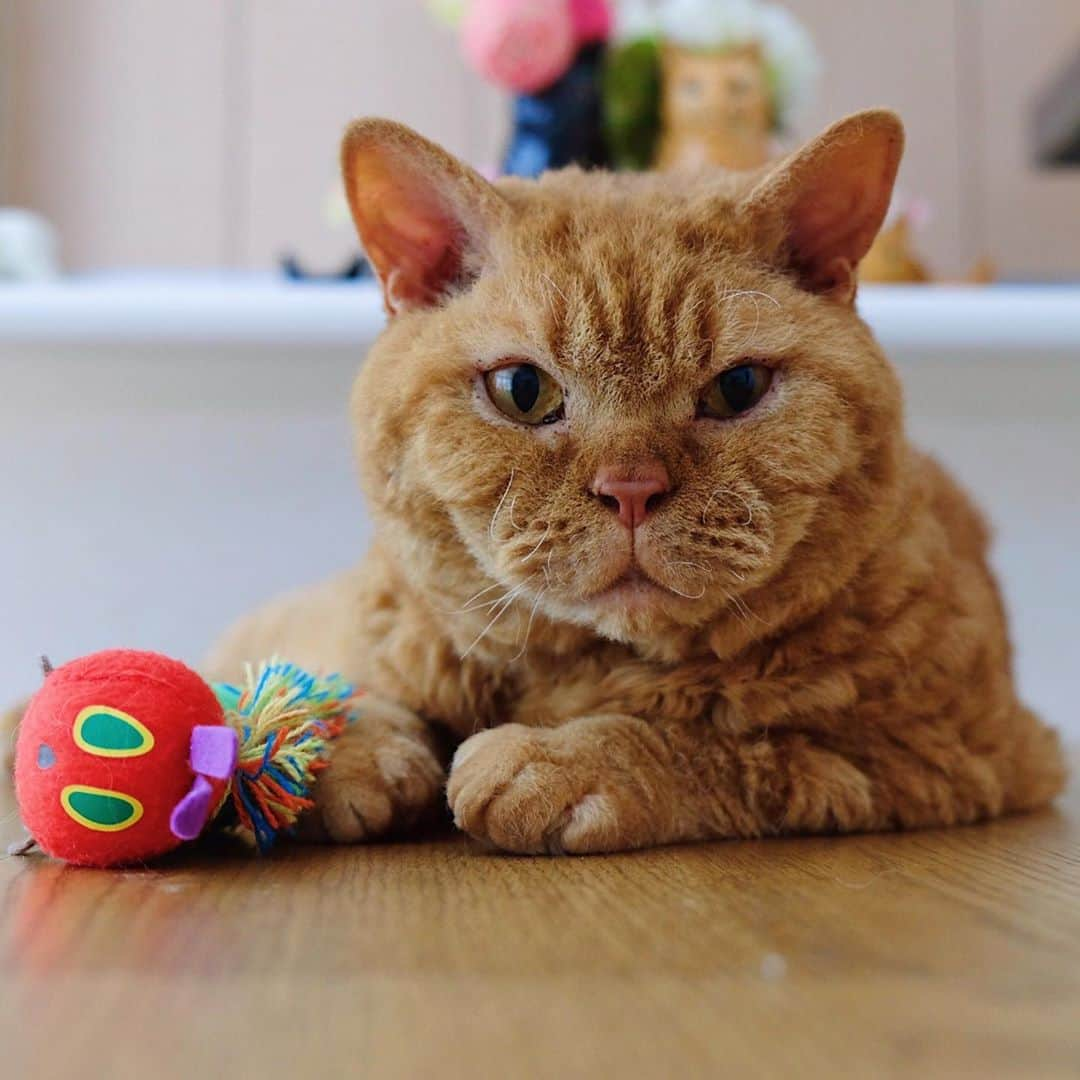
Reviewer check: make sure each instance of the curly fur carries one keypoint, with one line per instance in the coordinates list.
(824, 648)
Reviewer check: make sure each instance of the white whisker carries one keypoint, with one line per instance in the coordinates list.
(739, 293)
(694, 565)
(735, 495)
(505, 603)
(539, 544)
(742, 609)
(470, 604)
(498, 506)
(688, 596)
(482, 592)
(749, 509)
(556, 288)
(510, 513)
(529, 625)
(679, 592)
(755, 296)
(549, 570)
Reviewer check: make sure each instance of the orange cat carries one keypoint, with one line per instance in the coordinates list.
(651, 543)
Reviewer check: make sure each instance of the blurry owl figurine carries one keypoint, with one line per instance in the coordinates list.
(716, 108)
(892, 258)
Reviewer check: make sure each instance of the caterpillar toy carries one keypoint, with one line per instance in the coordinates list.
(124, 755)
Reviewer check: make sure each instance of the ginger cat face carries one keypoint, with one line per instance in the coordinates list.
(625, 403)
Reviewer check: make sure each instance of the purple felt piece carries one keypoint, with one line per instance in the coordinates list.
(214, 750)
(191, 813)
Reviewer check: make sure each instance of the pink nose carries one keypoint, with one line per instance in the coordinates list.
(633, 492)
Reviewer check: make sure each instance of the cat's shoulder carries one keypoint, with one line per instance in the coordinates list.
(950, 503)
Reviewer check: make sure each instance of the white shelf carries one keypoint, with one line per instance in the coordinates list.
(224, 309)
(965, 318)
(212, 309)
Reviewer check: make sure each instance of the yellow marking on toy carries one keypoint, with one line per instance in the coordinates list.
(114, 733)
(104, 802)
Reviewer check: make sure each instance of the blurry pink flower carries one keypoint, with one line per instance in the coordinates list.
(524, 45)
(592, 20)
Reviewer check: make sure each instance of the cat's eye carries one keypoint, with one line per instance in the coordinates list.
(525, 393)
(735, 391)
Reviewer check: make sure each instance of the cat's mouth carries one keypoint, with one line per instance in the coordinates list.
(633, 589)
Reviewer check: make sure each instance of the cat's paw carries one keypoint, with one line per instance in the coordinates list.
(533, 790)
(376, 782)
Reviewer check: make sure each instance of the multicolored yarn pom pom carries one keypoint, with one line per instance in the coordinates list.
(286, 719)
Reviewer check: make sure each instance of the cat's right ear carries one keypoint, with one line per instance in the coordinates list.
(424, 217)
(823, 205)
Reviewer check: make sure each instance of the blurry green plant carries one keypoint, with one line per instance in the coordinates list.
(631, 102)
(450, 12)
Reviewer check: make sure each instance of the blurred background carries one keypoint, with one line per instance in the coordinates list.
(204, 133)
(173, 445)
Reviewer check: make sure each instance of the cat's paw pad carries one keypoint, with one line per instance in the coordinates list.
(514, 788)
(373, 787)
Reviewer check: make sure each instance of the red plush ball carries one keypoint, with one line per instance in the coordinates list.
(103, 763)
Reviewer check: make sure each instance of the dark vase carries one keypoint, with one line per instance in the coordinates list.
(562, 125)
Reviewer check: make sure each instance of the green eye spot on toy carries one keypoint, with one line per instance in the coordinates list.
(106, 732)
(100, 810)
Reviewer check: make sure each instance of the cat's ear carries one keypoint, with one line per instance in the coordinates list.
(825, 203)
(423, 216)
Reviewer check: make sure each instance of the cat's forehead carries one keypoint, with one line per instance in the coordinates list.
(651, 269)
(572, 210)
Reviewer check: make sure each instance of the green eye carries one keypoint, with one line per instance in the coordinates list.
(735, 391)
(525, 393)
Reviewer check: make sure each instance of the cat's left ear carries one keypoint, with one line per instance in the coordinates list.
(423, 216)
(820, 208)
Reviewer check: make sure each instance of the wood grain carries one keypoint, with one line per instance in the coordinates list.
(938, 953)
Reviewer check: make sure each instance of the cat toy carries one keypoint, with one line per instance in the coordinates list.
(699, 83)
(124, 755)
(549, 54)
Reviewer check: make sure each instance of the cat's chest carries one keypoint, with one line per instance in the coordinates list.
(549, 692)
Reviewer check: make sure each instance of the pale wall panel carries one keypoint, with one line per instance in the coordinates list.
(902, 56)
(1031, 216)
(118, 126)
(7, 84)
(314, 66)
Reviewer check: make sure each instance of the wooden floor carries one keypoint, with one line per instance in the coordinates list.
(932, 954)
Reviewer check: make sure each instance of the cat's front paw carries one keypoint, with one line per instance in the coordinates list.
(533, 790)
(377, 782)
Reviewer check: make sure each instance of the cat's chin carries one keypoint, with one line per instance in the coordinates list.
(633, 592)
(632, 608)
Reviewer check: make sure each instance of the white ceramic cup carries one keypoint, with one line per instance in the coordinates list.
(28, 246)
